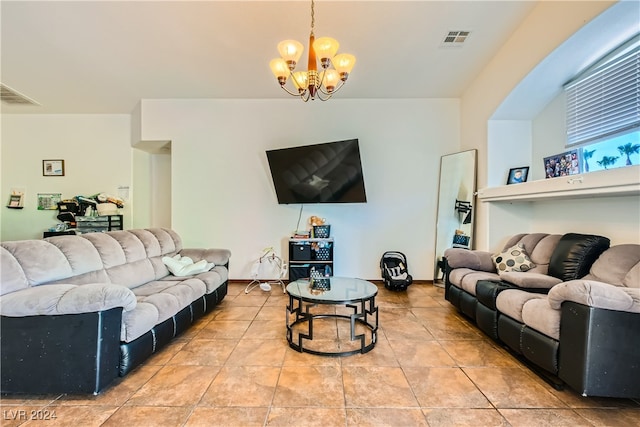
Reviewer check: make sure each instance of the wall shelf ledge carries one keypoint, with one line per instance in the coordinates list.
(623, 181)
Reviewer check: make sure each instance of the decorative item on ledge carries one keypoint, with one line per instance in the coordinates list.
(16, 200)
(311, 84)
(562, 164)
(518, 175)
(613, 182)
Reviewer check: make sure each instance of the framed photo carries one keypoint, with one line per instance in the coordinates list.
(518, 175)
(48, 201)
(562, 164)
(53, 167)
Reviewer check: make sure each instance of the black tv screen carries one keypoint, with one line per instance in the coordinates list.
(321, 173)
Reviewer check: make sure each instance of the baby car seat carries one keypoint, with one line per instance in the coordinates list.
(394, 270)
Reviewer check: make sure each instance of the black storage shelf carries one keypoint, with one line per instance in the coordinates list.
(98, 224)
(91, 224)
(305, 254)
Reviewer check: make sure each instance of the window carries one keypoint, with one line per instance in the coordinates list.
(603, 110)
(612, 153)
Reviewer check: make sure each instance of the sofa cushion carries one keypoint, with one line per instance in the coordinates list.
(511, 302)
(214, 278)
(529, 280)
(632, 278)
(466, 278)
(538, 315)
(138, 321)
(185, 291)
(132, 274)
(514, 258)
(80, 253)
(150, 242)
(596, 294)
(131, 246)
(166, 304)
(575, 253)
(12, 276)
(464, 258)
(618, 266)
(66, 299)
(110, 250)
(541, 252)
(98, 276)
(52, 263)
(469, 280)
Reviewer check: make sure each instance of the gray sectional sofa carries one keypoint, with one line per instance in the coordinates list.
(569, 307)
(76, 312)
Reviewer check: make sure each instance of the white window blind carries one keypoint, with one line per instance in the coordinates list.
(605, 101)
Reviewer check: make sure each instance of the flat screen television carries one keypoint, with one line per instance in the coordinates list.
(330, 172)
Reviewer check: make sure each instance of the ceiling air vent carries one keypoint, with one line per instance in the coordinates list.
(13, 97)
(455, 38)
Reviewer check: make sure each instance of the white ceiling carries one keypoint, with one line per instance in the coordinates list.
(104, 56)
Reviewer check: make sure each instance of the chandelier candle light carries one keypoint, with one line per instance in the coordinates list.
(311, 84)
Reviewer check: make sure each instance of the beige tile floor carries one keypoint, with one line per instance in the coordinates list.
(430, 367)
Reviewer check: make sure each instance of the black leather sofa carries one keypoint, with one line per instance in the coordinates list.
(574, 317)
(76, 312)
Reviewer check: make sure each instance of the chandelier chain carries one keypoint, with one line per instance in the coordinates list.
(313, 16)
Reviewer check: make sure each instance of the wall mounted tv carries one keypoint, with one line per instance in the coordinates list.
(330, 172)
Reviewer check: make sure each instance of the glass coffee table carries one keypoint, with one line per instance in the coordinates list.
(322, 305)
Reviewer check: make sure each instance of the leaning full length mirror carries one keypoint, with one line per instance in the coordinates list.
(456, 205)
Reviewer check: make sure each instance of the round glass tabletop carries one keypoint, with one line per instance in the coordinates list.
(332, 289)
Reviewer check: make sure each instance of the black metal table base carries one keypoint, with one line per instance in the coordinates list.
(365, 313)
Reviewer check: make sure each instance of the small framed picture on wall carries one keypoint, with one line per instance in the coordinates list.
(53, 167)
(518, 175)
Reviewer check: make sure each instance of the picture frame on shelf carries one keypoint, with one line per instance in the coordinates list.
(563, 164)
(518, 175)
(53, 167)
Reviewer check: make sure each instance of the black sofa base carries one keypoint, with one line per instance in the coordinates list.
(600, 352)
(82, 353)
(72, 353)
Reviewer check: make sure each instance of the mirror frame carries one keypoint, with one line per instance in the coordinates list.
(456, 206)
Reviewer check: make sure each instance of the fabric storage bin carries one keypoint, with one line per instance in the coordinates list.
(301, 251)
(321, 251)
(300, 271)
(321, 231)
(304, 271)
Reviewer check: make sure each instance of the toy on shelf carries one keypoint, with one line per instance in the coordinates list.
(319, 227)
(315, 220)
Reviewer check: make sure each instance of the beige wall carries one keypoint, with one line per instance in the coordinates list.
(548, 26)
(222, 193)
(97, 154)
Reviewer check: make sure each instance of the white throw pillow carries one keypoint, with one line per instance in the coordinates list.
(514, 258)
(184, 266)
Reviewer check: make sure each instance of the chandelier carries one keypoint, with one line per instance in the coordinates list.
(312, 84)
